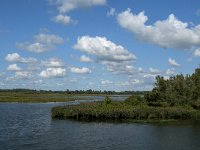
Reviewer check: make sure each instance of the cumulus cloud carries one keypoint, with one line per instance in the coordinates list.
(37, 82)
(122, 83)
(106, 82)
(53, 62)
(34, 47)
(13, 67)
(82, 70)
(49, 39)
(120, 67)
(43, 42)
(15, 57)
(170, 71)
(111, 12)
(63, 19)
(21, 74)
(196, 53)
(173, 62)
(53, 72)
(115, 57)
(65, 6)
(104, 49)
(154, 71)
(84, 58)
(169, 33)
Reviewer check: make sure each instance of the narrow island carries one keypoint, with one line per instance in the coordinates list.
(45, 96)
(175, 98)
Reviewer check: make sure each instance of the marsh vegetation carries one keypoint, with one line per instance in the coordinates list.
(176, 98)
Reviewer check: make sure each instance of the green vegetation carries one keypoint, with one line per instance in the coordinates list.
(36, 96)
(123, 111)
(176, 98)
(26, 97)
(177, 90)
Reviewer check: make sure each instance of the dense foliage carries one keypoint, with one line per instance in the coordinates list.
(123, 111)
(175, 98)
(177, 90)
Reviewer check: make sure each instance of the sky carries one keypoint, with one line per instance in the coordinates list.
(96, 44)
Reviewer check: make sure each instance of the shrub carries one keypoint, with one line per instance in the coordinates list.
(107, 100)
(134, 100)
(196, 105)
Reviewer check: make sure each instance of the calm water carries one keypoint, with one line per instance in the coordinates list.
(29, 126)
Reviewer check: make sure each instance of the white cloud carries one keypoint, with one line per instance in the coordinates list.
(84, 58)
(154, 71)
(117, 59)
(173, 62)
(196, 53)
(64, 6)
(43, 42)
(13, 67)
(53, 72)
(15, 57)
(23, 74)
(111, 12)
(103, 49)
(136, 81)
(106, 82)
(122, 83)
(63, 19)
(53, 62)
(83, 70)
(34, 47)
(49, 39)
(120, 67)
(170, 71)
(37, 82)
(169, 33)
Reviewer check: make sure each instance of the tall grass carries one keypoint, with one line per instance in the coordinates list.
(121, 111)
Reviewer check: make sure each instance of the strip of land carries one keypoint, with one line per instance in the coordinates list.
(124, 111)
(38, 97)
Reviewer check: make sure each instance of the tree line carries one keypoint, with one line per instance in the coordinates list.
(177, 89)
(89, 91)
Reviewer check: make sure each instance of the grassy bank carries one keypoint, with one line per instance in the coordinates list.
(37, 97)
(124, 111)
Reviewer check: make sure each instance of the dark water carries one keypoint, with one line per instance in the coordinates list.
(29, 126)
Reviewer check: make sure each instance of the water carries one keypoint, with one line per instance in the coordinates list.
(29, 126)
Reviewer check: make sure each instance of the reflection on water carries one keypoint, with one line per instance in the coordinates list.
(29, 126)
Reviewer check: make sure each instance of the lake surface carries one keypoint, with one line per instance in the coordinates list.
(29, 126)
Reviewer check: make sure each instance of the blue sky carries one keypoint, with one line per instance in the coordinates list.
(96, 44)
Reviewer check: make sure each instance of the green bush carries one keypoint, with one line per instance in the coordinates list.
(134, 100)
(107, 100)
(196, 105)
(120, 110)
